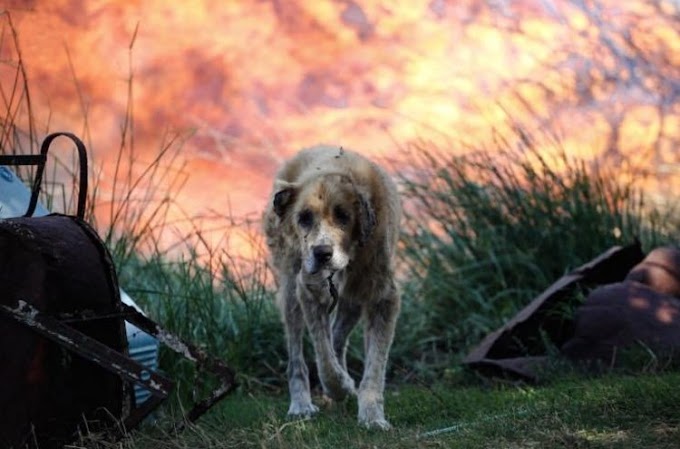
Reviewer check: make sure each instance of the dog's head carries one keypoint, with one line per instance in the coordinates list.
(330, 216)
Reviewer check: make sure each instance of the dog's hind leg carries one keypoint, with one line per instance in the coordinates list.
(381, 319)
(314, 297)
(298, 374)
(346, 318)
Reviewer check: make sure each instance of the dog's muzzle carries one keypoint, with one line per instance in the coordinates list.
(322, 253)
(319, 259)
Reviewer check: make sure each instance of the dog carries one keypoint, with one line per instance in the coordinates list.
(332, 225)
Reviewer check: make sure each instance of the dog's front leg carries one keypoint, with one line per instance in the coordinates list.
(298, 374)
(315, 298)
(346, 317)
(381, 319)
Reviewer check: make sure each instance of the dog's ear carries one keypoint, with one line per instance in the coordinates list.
(284, 196)
(366, 220)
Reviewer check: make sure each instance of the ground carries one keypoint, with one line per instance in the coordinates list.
(614, 411)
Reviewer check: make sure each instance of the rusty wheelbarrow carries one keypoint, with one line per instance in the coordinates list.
(64, 365)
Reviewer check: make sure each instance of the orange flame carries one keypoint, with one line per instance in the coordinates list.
(253, 81)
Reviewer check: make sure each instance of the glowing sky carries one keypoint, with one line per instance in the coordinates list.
(247, 83)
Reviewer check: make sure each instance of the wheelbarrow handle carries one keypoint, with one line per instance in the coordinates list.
(82, 157)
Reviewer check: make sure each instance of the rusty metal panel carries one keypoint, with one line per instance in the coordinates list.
(517, 348)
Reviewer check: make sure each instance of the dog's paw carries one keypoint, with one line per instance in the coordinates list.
(302, 410)
(380, 424)
(371, 411)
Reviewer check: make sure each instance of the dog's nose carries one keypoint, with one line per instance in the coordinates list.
(323, 253)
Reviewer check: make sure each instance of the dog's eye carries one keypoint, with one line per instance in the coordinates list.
(341, 215)
(306, 218)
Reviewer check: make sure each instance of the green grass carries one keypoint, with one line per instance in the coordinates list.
(231, 314)
(606, 412)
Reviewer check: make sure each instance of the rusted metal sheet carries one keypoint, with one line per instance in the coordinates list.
(517, 348)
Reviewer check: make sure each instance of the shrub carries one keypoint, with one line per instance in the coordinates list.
(487, 231)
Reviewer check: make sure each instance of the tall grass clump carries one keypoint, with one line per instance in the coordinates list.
(221, 303)
(487, 231)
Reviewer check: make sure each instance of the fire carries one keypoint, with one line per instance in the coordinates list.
(245, 84)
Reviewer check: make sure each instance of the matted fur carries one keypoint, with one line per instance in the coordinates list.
(334, 213)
